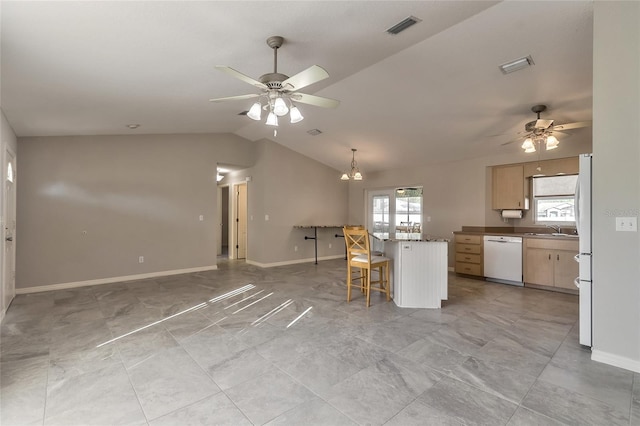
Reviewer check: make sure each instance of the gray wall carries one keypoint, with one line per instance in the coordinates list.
(89, 206)
(616, 183)
(292, 190)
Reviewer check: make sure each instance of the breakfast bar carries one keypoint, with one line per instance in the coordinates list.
(419, 269)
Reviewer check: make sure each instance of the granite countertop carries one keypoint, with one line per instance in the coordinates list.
(518, 232)
(410, 236)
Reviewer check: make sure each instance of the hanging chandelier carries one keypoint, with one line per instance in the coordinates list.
(532, 141)
(355, 171)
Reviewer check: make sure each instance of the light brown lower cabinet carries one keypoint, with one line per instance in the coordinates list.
(550, 262)
(469, 259)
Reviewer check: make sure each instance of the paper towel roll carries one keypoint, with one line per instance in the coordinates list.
(512, 214)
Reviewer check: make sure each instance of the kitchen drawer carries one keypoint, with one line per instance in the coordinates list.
(469, 268)
(552, 243)
(469, 258)
(468, 248)
(468, 239)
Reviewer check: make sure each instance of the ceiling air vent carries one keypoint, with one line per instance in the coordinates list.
(314, 132)
(516, 65)
(403, 25)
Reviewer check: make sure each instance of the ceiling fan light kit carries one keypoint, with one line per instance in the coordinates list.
(278, 91)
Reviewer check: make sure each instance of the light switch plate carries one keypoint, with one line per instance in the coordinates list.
(629, 224)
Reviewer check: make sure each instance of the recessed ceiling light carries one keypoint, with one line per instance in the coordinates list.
(133, 126)
(516, 65)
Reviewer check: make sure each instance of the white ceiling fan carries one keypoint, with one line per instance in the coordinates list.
(279, 91)
(541, 131)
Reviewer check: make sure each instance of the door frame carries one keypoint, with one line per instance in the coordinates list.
(233, 229)
(368, 214)
(8, 289)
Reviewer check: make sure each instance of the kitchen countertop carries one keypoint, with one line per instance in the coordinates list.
(410, 236)
(516, 232)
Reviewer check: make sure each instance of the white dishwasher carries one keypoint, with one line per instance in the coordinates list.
(503, 259)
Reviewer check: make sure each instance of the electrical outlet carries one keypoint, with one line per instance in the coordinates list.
(141, 259)
(629, 224)
(295, 248)
(330, 245)
(201, 218)
(266, 217)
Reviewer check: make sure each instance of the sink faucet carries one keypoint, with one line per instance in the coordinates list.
(554, 227)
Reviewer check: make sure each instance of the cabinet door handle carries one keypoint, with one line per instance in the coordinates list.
(557, 256)
(549, 256)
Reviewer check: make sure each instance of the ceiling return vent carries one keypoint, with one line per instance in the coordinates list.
(403, 25)
(314, 132)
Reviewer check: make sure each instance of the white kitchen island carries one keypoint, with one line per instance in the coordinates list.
(419, 269)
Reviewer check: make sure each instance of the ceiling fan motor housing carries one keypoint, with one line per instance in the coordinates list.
(273, 80)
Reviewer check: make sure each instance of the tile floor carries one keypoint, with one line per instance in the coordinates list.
(249, 346)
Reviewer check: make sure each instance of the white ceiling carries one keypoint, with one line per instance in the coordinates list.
(433, 93)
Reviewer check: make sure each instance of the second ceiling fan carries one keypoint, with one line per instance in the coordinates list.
(541, 131)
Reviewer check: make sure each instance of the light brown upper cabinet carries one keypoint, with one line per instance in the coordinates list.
(508, 187)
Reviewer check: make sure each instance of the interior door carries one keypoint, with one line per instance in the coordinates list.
(9, 202)
(241, 221)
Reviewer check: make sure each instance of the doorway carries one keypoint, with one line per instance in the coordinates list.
(9, 213)
(240, 221)
(223, 221)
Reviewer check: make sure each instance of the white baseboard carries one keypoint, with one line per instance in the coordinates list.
(293, 262)
(616, 360)
(110, 280)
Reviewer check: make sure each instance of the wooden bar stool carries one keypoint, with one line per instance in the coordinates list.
(359, 256)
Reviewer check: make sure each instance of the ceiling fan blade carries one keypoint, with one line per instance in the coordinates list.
(569, 126)
(240, 76)
(543, 124)
(235, 98)
(315, 100)
(311, 75)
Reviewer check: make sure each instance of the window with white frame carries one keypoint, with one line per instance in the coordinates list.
(409, 209)
(554, 199)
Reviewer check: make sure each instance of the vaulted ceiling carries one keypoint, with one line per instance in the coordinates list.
(432, 93)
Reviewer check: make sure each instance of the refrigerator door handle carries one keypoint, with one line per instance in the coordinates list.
(576, 206)
(576, 282)
(577, 257)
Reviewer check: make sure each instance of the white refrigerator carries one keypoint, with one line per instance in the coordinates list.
(583, 225)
